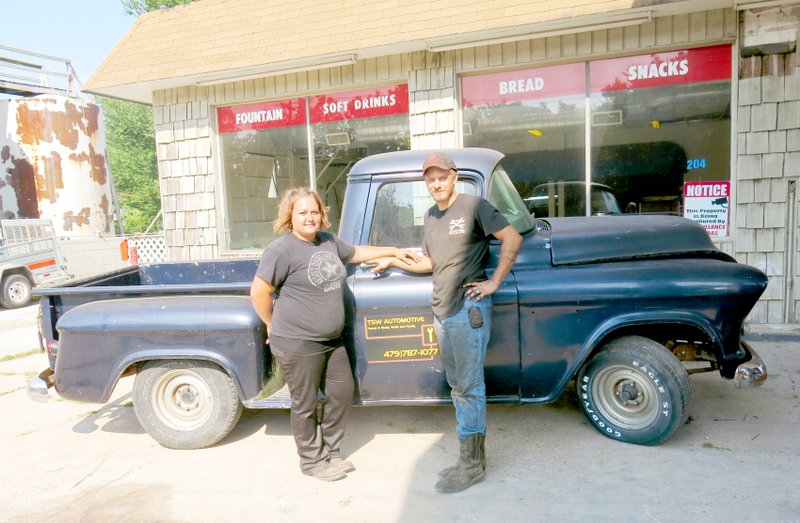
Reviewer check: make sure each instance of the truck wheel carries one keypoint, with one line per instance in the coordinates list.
(635, 390)
(185, 404)
(16, 291)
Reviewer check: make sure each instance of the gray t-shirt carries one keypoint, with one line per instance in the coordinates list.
(309, 279)
(456, 241)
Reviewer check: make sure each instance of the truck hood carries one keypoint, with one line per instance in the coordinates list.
(614, 238)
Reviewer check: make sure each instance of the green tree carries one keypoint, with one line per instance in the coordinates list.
(131, 146)
(137, 7)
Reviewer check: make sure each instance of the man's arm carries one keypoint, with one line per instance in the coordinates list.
(509, 248)
(261, 295)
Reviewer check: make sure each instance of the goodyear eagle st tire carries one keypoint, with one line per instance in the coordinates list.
(635, 390)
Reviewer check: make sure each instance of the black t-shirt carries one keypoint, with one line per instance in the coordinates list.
(456, 240)
(309, 279)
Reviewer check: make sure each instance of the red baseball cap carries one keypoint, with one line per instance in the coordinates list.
(440, 160)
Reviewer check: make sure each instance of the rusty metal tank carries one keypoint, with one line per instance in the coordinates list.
(53, 164)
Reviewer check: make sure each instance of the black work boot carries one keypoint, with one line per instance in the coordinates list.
(471, 467)
(446, 471)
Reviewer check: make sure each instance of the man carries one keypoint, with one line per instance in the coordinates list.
(456, 248)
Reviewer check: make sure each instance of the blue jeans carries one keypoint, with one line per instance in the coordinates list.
(463, 351)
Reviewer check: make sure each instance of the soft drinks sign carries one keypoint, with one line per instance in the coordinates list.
(363, 103)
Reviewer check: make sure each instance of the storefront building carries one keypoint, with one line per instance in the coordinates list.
(685, 108)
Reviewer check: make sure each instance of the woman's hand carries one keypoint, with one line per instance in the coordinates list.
(378, 265)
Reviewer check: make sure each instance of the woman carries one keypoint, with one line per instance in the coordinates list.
(298, 293)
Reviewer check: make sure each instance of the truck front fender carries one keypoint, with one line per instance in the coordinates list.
(99, 340)
(638, 321)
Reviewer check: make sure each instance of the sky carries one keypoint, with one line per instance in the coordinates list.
(82, 31)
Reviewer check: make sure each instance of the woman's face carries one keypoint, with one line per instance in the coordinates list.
(306, 218)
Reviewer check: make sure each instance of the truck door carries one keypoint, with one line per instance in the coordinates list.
(397, 357)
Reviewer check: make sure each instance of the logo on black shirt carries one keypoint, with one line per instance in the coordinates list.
(326, 271)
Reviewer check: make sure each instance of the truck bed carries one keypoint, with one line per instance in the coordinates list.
(157, 279)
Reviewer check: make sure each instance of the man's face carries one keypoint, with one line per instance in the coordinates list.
(441, 184)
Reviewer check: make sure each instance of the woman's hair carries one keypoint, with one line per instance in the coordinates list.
(284, 221)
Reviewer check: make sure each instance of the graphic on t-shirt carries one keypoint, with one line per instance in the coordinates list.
(457, 226)
(326, 271)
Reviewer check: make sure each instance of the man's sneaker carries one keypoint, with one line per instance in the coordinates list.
(341, 464)
(326, 473)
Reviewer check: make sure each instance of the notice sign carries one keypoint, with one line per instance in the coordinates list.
(393, 339)
(707, 204)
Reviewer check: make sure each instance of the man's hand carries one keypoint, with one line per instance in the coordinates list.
(480, 289)
(406, 255)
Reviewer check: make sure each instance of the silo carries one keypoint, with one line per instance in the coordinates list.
(53, 160)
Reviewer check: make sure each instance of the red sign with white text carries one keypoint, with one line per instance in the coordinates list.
(528, 84)
(703, 64)
(261, 115)
(364, 103)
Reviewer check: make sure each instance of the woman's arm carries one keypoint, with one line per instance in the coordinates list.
(367, 252)
(261, 295)
(421, 265)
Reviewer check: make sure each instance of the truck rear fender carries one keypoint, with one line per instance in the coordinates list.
(100, 341)
(130, 364)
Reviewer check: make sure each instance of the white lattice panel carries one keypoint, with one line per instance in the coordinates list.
(150, 248)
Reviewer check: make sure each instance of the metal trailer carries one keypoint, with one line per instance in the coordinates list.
(29, 255)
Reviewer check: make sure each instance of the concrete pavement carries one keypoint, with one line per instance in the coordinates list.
(18, 331)
(736, 460)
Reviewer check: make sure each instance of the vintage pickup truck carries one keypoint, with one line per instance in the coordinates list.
(625, 306)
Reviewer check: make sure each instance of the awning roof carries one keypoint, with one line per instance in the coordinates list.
(213, 41)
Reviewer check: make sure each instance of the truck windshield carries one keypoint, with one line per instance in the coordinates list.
(506, 199)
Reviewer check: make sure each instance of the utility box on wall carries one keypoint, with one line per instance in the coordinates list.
(53, 165)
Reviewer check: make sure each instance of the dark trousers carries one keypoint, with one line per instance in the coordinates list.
(318, 439)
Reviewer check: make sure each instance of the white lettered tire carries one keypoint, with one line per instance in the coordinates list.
(185, 404)
(635, 390)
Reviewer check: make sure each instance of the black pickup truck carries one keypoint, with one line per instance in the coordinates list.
(626, 306)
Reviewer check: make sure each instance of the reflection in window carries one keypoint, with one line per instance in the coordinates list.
(645, 156)
(339, 145)
(400, 208)
(258, 167)
(657, 121)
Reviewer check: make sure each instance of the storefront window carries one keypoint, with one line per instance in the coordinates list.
(534, 116)
(265, 150)
(352, 125)
(658, 122)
